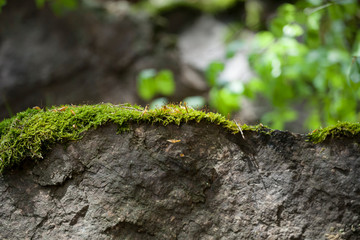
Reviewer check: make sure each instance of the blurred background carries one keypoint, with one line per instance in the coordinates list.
(292, 65)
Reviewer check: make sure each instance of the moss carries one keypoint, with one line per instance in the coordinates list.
(31, 133)
(342, 129)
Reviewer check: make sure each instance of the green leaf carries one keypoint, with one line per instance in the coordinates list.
(263, 40)
(145, 84)
(146, 89)
(253, 87)
(253, 14)
(350, 7)
(213, 71)
(277, 26)
(224, 101)
(287, 12)
(313, 21)
(356, 45)
(335, 12)
(165, 82)
(293, 30)
(150, 83)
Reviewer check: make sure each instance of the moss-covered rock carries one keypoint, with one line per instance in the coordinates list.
(342, 129)
(34, 131)
(187, 181)
(31, 133)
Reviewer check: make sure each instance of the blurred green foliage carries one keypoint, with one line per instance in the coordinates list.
(254, 9)
(211, 6)
(213, 71)
(151, 6)
(309, 56)
(223, 96)
(151, 83)
(305, 58)
(354, 76)
(58, 6)
(2, 4)
(224, 100)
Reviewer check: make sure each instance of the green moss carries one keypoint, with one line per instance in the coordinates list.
(342, 129)
(30, 133)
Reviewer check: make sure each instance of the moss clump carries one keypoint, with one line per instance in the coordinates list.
(32, 132)
(345, 129)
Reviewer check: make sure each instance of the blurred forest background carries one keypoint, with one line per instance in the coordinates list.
(291, 65)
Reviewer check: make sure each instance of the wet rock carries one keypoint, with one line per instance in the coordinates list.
(210, 185)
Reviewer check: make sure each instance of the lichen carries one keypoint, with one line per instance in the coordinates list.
(29, 134)
(342, 129)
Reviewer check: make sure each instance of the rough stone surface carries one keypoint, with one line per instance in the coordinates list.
(210, 185)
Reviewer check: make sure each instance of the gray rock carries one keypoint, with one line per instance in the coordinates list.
(81, 57)
(86, 56)
(210, 185)
(203, 42)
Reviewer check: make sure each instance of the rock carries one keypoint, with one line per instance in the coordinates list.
(210, 185)
(81, 57)
(202, 43)
(86, 56)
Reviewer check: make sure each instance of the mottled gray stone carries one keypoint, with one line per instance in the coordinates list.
(210, 185)
(82, 56)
